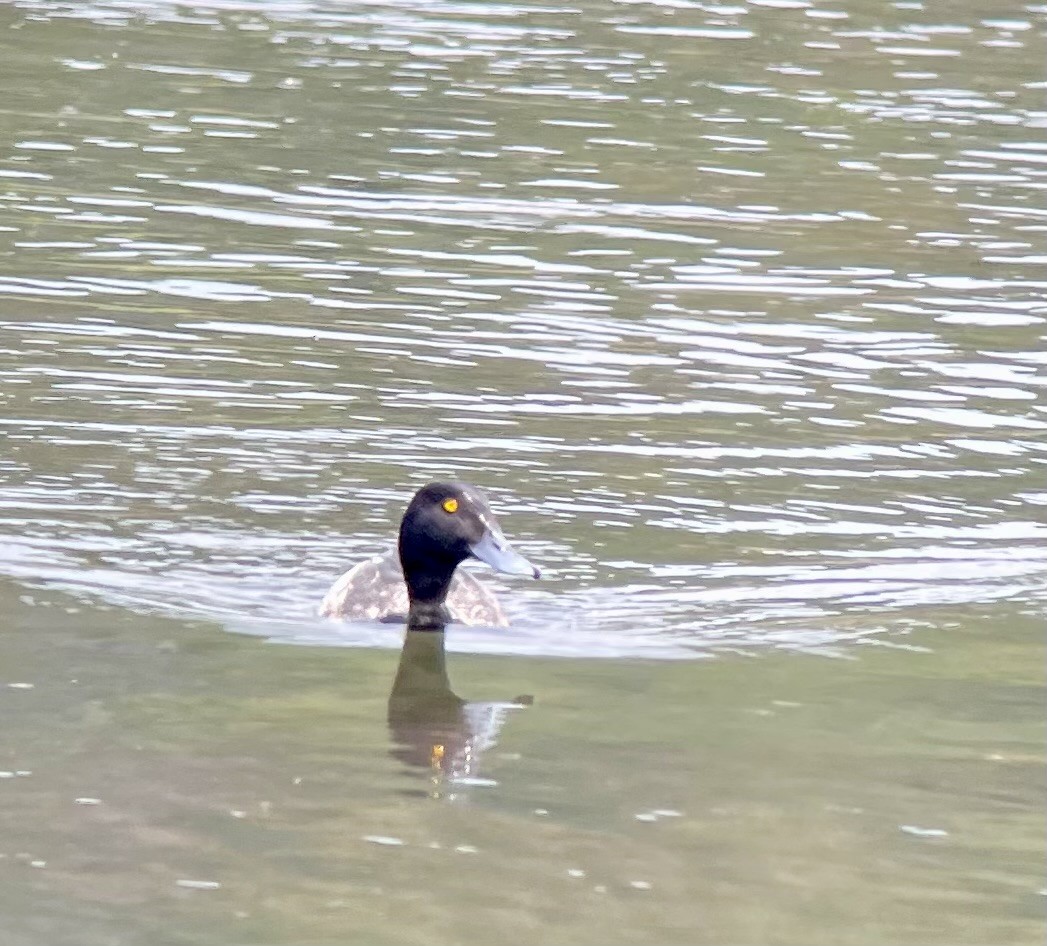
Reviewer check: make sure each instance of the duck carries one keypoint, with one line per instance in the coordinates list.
(418, 582)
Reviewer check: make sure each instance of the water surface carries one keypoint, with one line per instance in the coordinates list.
(736, 310)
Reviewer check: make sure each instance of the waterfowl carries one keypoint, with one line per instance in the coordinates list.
(444, 524)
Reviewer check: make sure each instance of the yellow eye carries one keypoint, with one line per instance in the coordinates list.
(450, 505)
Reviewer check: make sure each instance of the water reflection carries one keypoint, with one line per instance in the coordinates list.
(737, 308)
(434, 729)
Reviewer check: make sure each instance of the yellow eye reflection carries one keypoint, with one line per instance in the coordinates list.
(450, 505)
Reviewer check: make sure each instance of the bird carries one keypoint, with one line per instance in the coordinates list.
(444, 524)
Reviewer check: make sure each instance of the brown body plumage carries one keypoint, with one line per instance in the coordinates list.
(375, 590)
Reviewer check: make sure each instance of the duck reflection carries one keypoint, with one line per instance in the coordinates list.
(434, 729)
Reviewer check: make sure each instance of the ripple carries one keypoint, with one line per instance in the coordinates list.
(741, 373)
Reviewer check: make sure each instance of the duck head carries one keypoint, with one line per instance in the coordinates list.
(445, 524)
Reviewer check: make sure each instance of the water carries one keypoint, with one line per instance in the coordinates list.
(737, 312)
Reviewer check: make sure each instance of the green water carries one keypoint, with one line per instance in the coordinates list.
(892, 797)
(737, 312)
